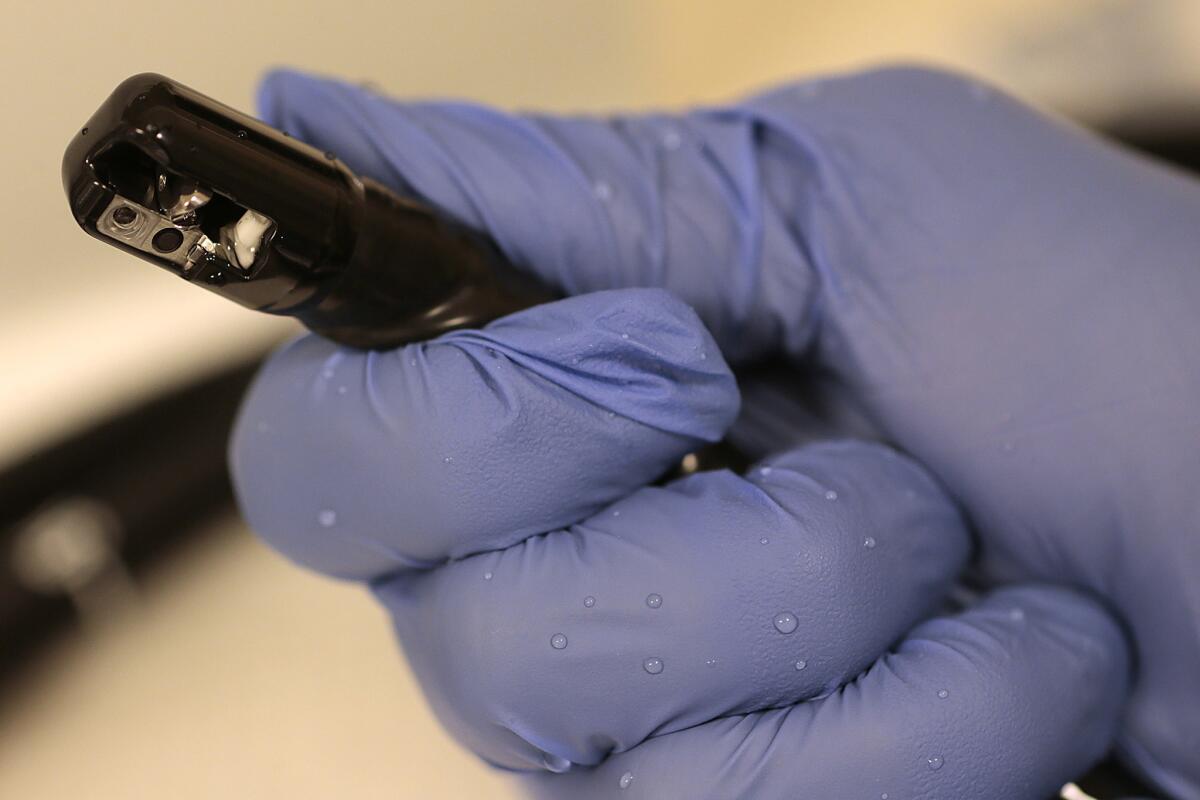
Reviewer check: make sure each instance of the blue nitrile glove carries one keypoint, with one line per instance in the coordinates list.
(1012, 302)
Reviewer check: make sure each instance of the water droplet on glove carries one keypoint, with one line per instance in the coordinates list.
(555, 764)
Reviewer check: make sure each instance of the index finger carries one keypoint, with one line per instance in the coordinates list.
(682, 202)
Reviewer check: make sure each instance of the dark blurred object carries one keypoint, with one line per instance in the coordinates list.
(83, 516)
(1110, 780)
(1172, 138)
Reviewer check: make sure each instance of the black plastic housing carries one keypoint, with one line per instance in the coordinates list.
(351, 259)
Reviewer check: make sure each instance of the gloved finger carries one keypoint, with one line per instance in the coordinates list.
(706, 204)
(846, 195)
(1007, 701)
(715, 595)
(360, 463)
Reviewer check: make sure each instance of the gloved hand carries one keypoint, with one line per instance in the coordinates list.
(1006, 299)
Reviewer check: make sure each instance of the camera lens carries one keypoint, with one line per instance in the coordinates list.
(167, 240)
(124, 216)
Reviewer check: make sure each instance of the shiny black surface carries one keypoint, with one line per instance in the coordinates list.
(346, 256)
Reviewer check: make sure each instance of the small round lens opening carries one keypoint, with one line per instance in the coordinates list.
(167, 240)
(124, 216)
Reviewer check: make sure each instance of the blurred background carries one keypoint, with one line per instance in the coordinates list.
(149, 646)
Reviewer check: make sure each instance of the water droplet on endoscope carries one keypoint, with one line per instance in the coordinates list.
(558, 641)
(653, 665)
(654, 600)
